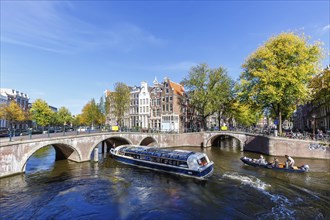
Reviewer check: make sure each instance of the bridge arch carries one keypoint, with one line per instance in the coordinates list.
(148, 141)
(215, 140)
(62, 151)
(112, 141)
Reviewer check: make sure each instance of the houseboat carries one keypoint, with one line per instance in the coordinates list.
(182, 162)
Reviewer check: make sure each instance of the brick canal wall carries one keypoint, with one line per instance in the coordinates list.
(277, 146)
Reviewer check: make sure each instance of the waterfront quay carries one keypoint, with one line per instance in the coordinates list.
(85, 147)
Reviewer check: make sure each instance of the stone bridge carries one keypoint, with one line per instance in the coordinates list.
(79, 148)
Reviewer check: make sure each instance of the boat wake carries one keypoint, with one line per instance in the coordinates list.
(250, 181)
(282, 208)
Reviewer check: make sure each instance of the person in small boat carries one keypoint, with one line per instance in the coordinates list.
(289, 162)
(275, 162)
(262, 160)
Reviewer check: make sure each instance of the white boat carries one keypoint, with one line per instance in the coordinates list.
(182, 162)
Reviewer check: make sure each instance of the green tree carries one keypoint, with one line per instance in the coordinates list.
(91, 114)
(120, 100)
(209, 90)
(41, 112)
(76, 121)
(222, 93)
(276, 75)
(12, 113)
(320, 85)
(244, 114)
(54, 119)
(64, 116)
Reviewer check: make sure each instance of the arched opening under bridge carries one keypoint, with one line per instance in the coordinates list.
(226, 142)
(104, 147)
(148, 141)
(44, 157)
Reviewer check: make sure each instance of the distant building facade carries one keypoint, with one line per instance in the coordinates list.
(159, 107)
(22, 100)
(172, 94)
(144, 106)
(155, 105)
(134, 107)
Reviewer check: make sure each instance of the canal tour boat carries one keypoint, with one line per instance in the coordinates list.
(255, 163)
(182, 162)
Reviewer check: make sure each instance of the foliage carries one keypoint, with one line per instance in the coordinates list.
(12, 113)
(54, 120)
(91, 114)
(64, 116)
(41, 112)
(120, 99)
(76, 121)
(222, 93)
(209, 89)
(244, 114)
(276, 75)
(320, 86)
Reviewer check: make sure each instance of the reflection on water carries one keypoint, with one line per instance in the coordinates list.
(111, 190)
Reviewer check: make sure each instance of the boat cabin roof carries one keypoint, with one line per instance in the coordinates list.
(158, 152)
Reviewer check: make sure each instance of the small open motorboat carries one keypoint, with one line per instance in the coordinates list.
(255, 163)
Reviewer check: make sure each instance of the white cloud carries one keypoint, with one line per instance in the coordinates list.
(326, 28)
(52, 26)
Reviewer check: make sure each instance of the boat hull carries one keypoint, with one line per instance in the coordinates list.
(207, 172)
(250, 162)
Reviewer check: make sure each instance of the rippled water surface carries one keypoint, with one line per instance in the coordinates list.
(111, 190)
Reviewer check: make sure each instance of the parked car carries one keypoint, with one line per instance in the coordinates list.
(36, 131)
(82, 128)
(69, 129)
(4, 132)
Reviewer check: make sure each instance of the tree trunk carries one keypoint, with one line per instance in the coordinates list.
(279, 119)
(203, 123)
(219, 119)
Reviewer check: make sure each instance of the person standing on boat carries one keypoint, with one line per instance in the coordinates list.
(262, 160)
(289, 162)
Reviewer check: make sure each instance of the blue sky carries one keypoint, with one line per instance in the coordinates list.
(68, 52)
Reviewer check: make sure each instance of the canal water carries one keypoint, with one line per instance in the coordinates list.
(111, 190)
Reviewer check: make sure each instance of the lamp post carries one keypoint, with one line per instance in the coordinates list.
(313, 116)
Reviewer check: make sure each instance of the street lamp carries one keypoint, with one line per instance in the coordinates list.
(313, 116)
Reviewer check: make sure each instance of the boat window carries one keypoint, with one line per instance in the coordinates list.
(183, 164)
(202, 161)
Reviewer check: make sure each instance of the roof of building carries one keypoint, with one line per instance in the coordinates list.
(177, 88)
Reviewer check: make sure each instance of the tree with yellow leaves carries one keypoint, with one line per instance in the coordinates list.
(12, 113)
(276, 75)
(41, 112)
